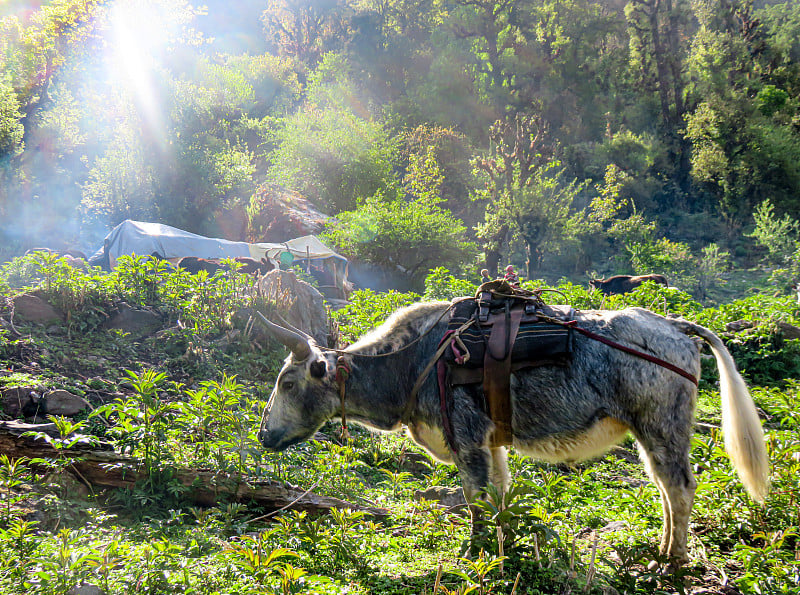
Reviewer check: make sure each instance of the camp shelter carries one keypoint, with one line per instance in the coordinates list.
(315, 258)
(171, 244)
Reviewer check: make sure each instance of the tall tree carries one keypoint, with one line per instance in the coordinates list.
(37, 135)
(659, 34)
(520, 148)
(306, 30)
(745, 144)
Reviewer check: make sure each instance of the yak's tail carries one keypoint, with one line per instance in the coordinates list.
(744, 438)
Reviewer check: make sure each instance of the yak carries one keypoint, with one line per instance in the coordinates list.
(625, 283)
(194, 265)
(251, 266)
(560, 413)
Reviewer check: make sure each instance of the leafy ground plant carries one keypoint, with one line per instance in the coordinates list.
(587, 528)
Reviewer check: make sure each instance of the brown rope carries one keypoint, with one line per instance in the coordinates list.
(573, 324)
(411, 404)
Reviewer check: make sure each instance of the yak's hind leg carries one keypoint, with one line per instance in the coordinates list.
(666, 457)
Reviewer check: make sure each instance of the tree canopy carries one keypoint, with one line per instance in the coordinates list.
(156, 110)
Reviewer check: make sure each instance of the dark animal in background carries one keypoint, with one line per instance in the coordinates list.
(194, 265)
(71, 253)
(32, 250)
(625, 283)
(74, 258)
(559, 413)
(251, 266)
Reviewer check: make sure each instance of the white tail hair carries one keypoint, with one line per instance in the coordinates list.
(741, 428)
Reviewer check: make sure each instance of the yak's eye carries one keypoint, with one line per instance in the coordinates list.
(288, 385)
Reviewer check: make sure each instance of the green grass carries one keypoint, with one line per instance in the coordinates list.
(182, 407)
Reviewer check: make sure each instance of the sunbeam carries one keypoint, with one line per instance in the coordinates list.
(137, 39)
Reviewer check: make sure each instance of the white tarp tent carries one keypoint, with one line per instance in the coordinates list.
(172, 244)
(306, 247)
(166, 242)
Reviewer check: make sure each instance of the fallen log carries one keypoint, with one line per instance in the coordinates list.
(99, 466)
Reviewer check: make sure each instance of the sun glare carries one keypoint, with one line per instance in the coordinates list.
(138, 36)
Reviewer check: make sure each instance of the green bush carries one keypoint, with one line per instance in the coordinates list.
(440, 284)
(411, 236)
(368, 309)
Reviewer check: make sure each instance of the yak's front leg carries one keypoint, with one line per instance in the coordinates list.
(479, 467)
(474, 466)
(478, 464)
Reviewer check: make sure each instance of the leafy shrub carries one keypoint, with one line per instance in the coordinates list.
(367, 309)
(756, 308)
(410, 236)
(440, 284)
(329, 150)
(761, 352)
(658, 298)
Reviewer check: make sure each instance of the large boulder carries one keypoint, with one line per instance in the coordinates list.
(303, 304)
(20, 401)
(64, 403)
(32, 308)
(789, 331)
(138, 322)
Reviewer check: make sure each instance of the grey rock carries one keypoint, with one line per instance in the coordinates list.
(416, 462)
(63, 402)
(20, 401)
(444, 495)
(738, 325)
(34, 309)
(86, 589)
(613, 526)
(69, 485)
(136, 321)
(789, 330)
(303, 304)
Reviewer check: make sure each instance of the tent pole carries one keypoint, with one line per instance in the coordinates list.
(335, 275)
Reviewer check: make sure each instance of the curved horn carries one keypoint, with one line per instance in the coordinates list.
(291, 327)
(296, 342)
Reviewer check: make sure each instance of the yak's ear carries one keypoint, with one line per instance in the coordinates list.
(318, 368)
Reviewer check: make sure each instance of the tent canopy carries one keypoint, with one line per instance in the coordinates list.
(171, 243)
(306, 247)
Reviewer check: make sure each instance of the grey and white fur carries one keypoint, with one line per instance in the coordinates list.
(560, 413)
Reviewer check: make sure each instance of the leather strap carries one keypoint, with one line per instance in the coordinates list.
(497, 374)
(411, 403)
(646, 356)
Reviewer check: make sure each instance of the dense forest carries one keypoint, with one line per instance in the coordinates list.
(568, 137)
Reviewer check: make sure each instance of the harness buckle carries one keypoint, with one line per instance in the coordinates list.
(483, 306)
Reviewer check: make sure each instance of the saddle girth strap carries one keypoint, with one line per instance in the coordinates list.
(497, 374)
(411, 403)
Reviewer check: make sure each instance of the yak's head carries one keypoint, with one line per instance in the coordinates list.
(305, 394)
